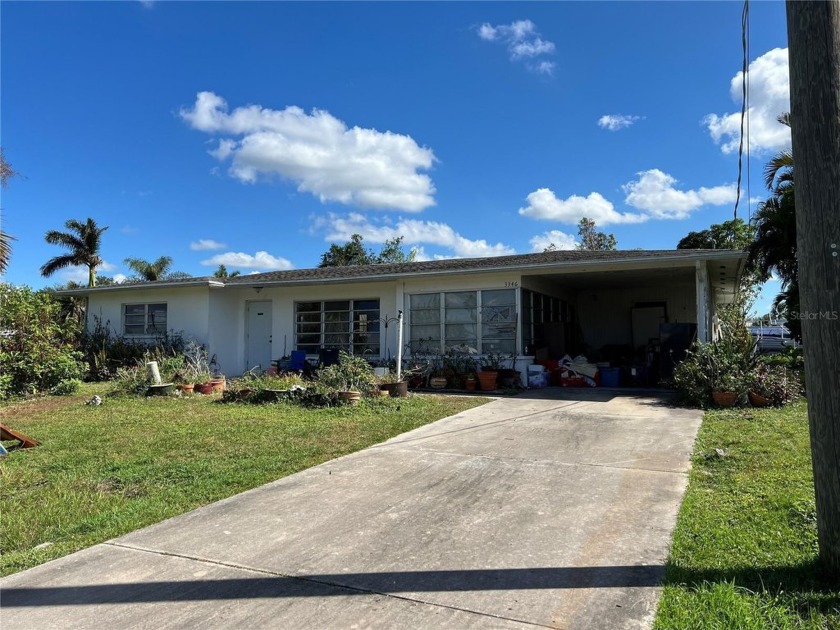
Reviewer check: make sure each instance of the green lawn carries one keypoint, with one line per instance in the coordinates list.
(745, 548)
(103, 471)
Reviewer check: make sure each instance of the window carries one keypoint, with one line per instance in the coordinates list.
(483, 320)
(144, 319)
(351, 325)
(541, 313)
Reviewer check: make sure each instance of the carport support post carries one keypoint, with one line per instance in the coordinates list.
(702, 283)
(399, 344)
(814, 44)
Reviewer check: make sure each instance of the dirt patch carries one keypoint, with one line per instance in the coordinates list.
(27, 409)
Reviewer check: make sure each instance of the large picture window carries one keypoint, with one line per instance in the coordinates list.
(144, 319)
(350, 325)
(483, 321)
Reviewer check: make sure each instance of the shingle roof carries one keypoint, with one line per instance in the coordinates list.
(450, 265)
(472, 264)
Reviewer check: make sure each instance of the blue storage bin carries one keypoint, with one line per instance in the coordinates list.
(610, 377)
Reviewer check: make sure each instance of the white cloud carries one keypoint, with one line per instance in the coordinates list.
(654, 193)
(614, 122)
(769, 97)
(523, 42)
(353, 166)
(414, 232)
(79, 273)
(206, 244)
(543, 204)
(262, 261)
(119, 278)
(559, 239)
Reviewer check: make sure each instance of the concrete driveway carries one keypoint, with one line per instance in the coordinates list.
(552, 509)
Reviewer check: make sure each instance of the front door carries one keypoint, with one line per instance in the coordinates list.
(258, 335)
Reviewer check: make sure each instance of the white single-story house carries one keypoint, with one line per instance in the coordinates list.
(602, 304)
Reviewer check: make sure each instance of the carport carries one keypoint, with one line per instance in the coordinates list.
(636, 318)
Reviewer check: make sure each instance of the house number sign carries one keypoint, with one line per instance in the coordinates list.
(511, 284)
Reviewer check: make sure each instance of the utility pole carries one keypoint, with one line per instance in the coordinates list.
(814, 47)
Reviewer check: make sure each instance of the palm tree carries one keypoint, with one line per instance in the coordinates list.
(6, 173)
(774, 247)
(150, 271)
(84, 241)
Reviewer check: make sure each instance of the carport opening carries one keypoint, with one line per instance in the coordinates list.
(622, 328)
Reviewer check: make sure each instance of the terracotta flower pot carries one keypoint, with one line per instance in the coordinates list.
(437, 382)
(218, 384)
(470, 384)
(396, 390)
(351, 398)
(724, 399)
(487, 379)
(203, 388)
(186, 388)
(757, 400)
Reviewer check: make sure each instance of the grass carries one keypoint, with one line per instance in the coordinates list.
(104, 471)
(745, 548)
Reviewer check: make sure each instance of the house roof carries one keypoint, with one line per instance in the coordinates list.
(555, 261)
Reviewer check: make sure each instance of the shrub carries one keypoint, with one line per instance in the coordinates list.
(349, 374)
(131, 380)
(775, 383)
(65, 388)
(724, 365)
(36, 342)
(105, 351)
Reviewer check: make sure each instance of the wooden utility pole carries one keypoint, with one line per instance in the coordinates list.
(814, 46)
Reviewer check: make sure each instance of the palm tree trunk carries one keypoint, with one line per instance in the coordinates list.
(91, 276)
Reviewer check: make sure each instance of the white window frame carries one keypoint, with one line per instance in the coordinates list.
(479, 312)
(352, 319)
(146, 332)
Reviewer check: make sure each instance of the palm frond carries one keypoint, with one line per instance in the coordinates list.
(59, 262)
(5, 250)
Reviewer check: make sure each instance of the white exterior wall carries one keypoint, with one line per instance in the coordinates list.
(227, 328)
(605, 314)
(187, 309)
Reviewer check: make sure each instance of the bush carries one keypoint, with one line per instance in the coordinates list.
(105, 351)
(36, 343)
(349, 374)
(65, 388)
(723, 365)
(775, 383)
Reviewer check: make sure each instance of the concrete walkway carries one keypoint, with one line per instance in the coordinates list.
(552, 509)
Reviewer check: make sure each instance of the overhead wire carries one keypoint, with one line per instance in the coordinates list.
(745, 13)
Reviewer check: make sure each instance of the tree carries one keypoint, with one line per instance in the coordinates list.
(591, 239)
(6, 173)
(222, 272)
(774, 248)
(153, 271)
(354, 252)
(732, 234)
(84, 241)
(814, 45)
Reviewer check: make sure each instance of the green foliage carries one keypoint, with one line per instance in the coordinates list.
(732, 234)
(36, 345)
(723, 365)
(354, 252)
(105, 351)
(775, 383)
(593, 240)
(84, 240)
(160, 269)
(351, 373)
(65, 388)
(222, 272)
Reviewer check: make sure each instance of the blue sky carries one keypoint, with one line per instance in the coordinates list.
(256, 134)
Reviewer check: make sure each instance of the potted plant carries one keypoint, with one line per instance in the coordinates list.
(349, 377)
(438, 380)
(470, 382)
(772, 385)
(726, 389)
(490, 365)
(393, 386)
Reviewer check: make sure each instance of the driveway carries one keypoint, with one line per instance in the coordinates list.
(551, 509)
